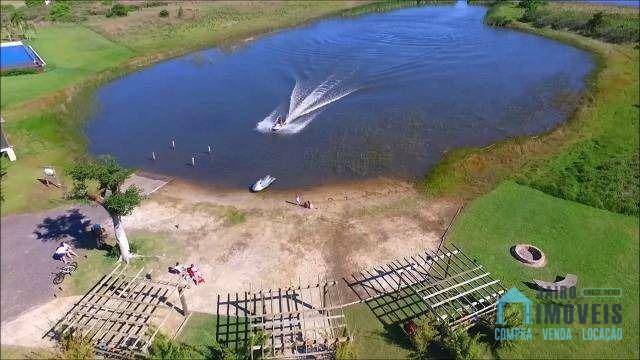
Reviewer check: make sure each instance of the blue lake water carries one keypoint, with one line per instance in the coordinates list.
(380, 94)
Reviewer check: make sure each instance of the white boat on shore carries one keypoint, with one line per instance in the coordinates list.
(263, 183)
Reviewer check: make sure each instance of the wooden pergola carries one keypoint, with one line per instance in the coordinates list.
(296, 322)
(446, 283)
(122, 314)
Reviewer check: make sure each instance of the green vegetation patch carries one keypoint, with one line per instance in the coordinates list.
(72, 53)
(503, 13)
(157, 253)
(600, 247)
(611, 24)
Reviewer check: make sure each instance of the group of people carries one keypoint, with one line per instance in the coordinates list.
(191, 272)
(64, 253)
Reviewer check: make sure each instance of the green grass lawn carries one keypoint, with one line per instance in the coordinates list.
(600, 247)
(72, 53)
(158, 250)
(370, 339)
(198, 331)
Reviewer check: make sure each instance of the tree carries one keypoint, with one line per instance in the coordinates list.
(109, 177)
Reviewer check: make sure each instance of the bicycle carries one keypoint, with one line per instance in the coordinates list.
(63, 272)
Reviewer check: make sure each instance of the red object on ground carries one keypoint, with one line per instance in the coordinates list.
(410, 327)
(193, 272)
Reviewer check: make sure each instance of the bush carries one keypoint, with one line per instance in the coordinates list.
(165, 349)
(427, 334)
(502, 14)
(344, 351)
(74, 347)
(595, 23)
(461, 346)
(60, 11)
(33, 3)
(531, 5)
(117, 10)
(149, 4)
(163, 13)
(20, 72)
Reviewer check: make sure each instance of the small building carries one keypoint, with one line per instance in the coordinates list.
(5, 147)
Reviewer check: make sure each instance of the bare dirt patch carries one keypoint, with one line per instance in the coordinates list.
(271, 242)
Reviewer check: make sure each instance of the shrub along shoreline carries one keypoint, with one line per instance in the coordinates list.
(592, 158)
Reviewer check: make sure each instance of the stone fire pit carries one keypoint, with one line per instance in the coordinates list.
(529, 255)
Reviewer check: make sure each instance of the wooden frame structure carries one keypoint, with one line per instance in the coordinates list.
(122, 314)
(294, 322)
(446, 283)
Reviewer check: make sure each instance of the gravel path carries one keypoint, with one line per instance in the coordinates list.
(27, 245)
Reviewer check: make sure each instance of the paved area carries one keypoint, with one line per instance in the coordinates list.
(28, 329)
(147, 183)
(27, 245)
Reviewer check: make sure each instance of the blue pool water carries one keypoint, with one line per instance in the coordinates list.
(15, 57)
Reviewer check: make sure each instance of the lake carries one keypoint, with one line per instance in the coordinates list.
(385, 94)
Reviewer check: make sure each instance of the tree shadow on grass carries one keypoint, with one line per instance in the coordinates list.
(72, 227)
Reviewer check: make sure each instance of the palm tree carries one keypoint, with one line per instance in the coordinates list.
(18, 21)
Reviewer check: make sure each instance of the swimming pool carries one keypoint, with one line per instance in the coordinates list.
(16, 55)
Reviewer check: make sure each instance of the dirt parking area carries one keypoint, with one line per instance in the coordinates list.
(245, 241)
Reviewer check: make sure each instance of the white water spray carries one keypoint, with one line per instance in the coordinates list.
(305, 105)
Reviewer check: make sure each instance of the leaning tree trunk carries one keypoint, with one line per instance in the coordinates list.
(121, 237)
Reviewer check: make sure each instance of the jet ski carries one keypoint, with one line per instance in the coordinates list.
(279, 124)
(263, 183)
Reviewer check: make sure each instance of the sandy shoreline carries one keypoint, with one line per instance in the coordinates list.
(243, 240)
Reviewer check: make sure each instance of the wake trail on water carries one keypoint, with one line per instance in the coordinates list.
(305, 104)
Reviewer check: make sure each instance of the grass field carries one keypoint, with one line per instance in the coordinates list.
(600, 247)
(206, 23)
(72, 53)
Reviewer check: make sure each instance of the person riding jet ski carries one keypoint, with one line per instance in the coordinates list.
(279, 123)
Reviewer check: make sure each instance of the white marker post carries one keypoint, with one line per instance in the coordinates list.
(153, 155)
(193, 161)
(209, 148)
(173, 144)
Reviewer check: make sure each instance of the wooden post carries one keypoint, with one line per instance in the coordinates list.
(183, 301)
